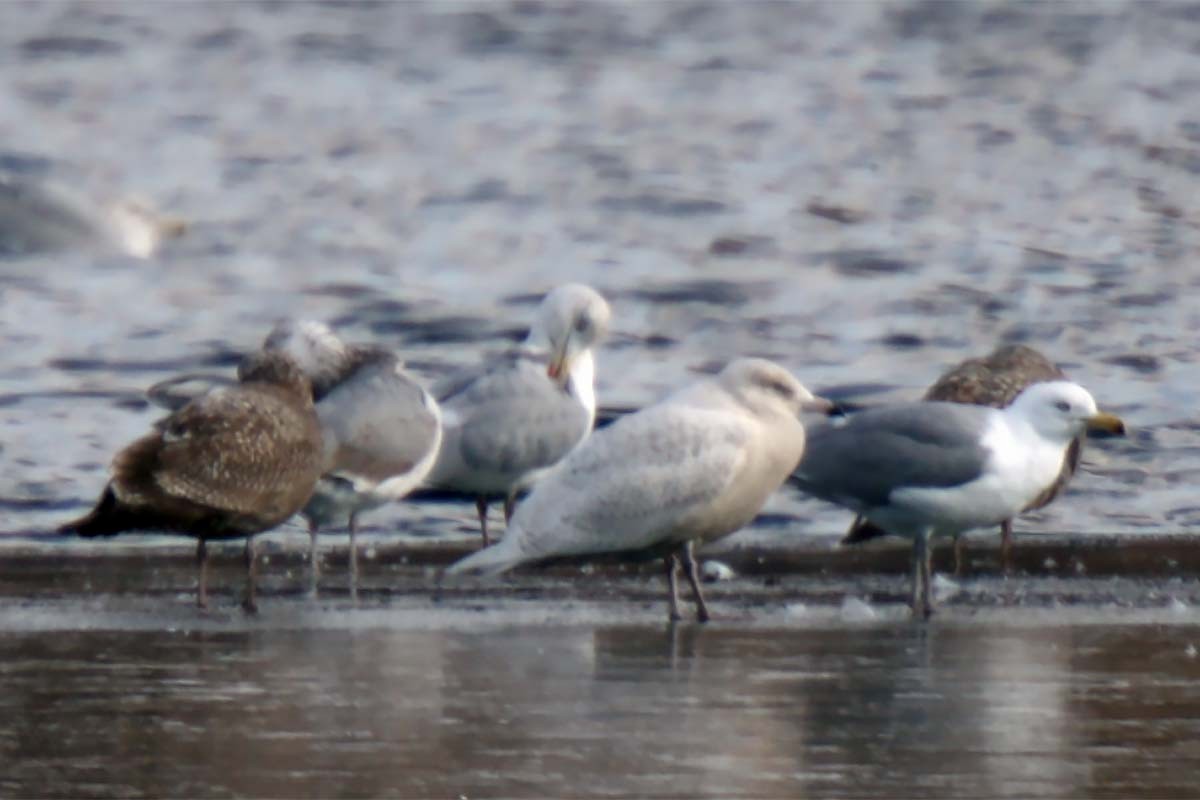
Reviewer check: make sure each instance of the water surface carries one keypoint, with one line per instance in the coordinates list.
(384, 707)
(866, 192)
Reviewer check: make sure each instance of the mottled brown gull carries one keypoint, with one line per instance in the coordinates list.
(506, 423)
(689, 469)
(994, 381)
(923, 470)
(381, 429)
(230, 464)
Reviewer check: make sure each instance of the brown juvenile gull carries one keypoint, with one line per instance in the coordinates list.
(689, 469)
(230, 464)
(504, 425)
(993, 381)
(923, 470)
(382, 429)
(40, 218)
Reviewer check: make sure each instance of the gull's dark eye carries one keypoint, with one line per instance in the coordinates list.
(775, 386)
(1063, 406)
(582, 324)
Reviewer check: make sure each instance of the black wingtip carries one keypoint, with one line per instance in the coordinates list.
(108, 518)
(843, 408)
(861, 531)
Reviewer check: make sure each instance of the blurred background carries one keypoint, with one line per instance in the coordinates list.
(867, 193)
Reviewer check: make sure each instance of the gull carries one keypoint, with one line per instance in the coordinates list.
(232, 463)
(994, 381)
(381, 429)
(924, 470)
(687, 470)
(505, 424)
(39, 218)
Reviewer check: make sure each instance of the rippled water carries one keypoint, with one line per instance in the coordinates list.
(361, 704)
(867, 193)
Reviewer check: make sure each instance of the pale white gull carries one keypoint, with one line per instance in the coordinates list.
(923, 470)
(503, 425)
(39, 218)
(689, 469)
(381, 429)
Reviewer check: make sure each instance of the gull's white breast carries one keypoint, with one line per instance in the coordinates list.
(1020, 465)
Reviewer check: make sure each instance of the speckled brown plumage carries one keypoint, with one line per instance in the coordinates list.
(232, 463)
(994, 380)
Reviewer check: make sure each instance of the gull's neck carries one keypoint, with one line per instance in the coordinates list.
(581, 382)
(1040, 457)
(1024, 428)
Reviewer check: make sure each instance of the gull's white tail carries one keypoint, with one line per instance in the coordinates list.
(490, 561)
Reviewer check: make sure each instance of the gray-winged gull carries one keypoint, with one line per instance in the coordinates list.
(689, 469)
(923, 470)
(232, 463)
(38, 218)
(505, 424)
(995, 381)
(381, 428)
(177, 391)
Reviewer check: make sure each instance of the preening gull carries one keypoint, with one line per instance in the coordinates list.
(38, 218)
(230, 464)
(177, 391)
(503, 425)
(922, 470)
(993, 381)
(689, 469)
(381, 428)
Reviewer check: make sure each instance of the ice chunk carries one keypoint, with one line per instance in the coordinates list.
(944, 588)
(713, 571)
(855, 609)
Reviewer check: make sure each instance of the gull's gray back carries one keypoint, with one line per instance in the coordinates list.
(858, 461)
(378, 421)
(507, 421)
(470, 385)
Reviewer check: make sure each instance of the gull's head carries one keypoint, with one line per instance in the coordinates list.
(316, 349)
(571, 320)
(765, 387)
(276, 369)
(1060, 411)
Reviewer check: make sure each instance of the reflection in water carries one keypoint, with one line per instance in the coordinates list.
(1023, 728)
(1148, 733)
(936, 711)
